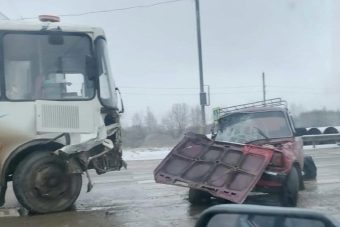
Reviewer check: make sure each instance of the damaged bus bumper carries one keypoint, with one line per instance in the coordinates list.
(99, 153)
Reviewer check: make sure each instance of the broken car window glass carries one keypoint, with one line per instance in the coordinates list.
(247, 127)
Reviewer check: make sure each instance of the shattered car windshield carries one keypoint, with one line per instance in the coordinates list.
(247, 127)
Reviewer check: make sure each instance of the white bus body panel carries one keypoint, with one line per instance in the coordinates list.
(62, 116)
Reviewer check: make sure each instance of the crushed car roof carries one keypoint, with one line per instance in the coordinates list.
(255, 109)
(276, 104)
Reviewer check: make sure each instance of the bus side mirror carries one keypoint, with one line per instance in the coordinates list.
(91, 67)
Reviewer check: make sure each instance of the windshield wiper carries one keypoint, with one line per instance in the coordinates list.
(261, 133)
(250, 142)
(265, 137)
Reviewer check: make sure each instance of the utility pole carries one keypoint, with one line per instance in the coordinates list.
(203, 97)
(264, 87)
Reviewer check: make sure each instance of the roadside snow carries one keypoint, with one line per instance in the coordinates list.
(146, 153)
(311, 147)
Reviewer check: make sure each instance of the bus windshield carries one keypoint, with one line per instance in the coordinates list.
(40, 66)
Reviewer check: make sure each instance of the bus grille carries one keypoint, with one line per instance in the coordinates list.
(72, 117)
(60, 116)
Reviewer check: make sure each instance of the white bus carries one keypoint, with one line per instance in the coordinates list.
(59, 111)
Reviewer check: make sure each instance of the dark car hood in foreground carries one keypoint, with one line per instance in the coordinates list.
(225, 170)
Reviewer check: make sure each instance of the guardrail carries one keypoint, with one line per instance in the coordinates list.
(321, 139)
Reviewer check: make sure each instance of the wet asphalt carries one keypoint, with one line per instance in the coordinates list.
(131, 198)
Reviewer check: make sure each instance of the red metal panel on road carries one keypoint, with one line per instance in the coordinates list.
(225, 170)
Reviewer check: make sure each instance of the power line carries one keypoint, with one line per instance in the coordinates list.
(158, 94)
(272, 88)
(236, 87)
(292, 87)
(113, 10)
(158, 88)
(189, 94)
(14, 7)
(295, 91)
(4, 16)
(185, 88)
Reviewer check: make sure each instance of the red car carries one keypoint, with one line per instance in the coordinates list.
(254, 147)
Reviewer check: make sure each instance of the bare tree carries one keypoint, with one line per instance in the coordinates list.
(180, 112)
(134, 136)
(150, 121)
(168, 125)
(195, 117)
(177, 119)
(296, 109)
(137, 120)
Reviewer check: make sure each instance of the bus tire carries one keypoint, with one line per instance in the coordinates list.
(42, 184)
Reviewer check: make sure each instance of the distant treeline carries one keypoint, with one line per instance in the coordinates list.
(318, 118)
(147, 131)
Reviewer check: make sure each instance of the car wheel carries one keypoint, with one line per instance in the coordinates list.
(309, 168)
(198, 197)
(42, 184)
(290, 189)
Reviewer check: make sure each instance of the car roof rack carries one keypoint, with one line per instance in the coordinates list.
(276, 102)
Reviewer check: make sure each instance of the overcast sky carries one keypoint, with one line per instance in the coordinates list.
(154, 51)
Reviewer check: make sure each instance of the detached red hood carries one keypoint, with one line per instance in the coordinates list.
(225, 170)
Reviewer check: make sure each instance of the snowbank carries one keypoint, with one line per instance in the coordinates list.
(145, 153)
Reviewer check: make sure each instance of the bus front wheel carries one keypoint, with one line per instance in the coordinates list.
(42, 184)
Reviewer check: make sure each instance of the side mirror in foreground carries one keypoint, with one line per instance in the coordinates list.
(262, 216)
